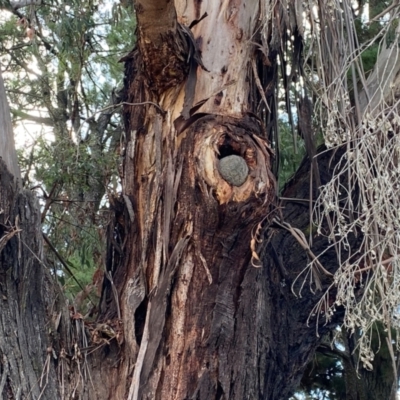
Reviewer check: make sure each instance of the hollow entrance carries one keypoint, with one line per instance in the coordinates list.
(228, 147)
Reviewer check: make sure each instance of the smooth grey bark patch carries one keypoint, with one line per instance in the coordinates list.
(233, 169)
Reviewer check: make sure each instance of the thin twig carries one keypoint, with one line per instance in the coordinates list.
(64, 263)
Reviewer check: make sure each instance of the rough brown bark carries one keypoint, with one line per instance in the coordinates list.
(254, 338)
(188, 311)
(26, 290)
(25, 342)
(44, 351)
(199, 321)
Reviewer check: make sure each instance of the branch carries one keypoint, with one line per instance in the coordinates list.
(45, 43)
(39, 120)
(332, 351)
(63, 262)
(383, 13)
(113, 107)
(19, 4)
(23, 65)
(22, 93)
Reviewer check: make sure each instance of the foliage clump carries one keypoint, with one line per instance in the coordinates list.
(63, 80)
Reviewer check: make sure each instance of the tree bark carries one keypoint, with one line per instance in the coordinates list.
(379, 383)
(27, 291)
(199, 297)
(200, 319)
(7, 149)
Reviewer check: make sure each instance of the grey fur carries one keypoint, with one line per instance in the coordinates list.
(233, 169)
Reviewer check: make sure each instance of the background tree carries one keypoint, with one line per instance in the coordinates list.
(335, 371)
(63, 81)
(183, 301)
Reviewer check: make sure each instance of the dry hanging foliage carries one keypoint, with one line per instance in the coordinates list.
(361, 204)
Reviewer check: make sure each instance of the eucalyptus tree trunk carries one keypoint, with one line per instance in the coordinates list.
(188, 272)
(202, 316)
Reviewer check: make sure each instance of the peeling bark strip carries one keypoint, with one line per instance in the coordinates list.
(7, 148)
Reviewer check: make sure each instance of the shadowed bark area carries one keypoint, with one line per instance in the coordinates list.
(294, 335)
(27, 298)
(26, 290)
